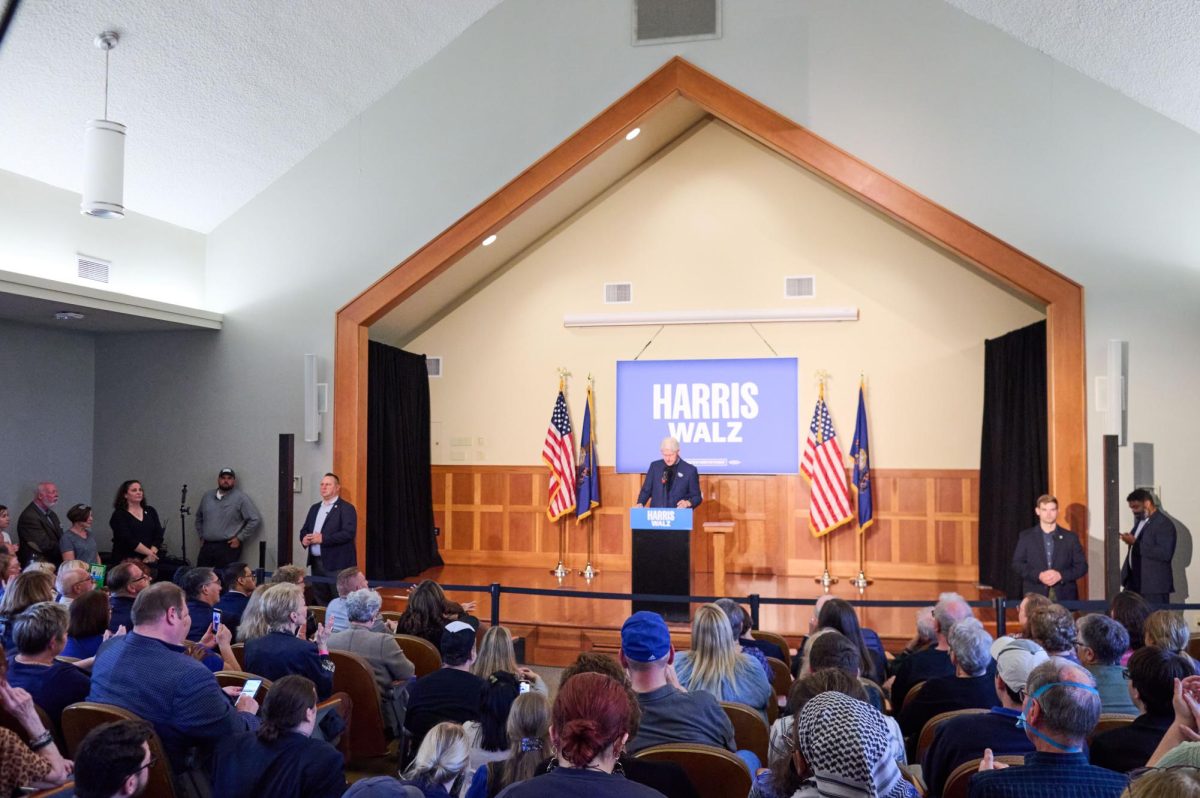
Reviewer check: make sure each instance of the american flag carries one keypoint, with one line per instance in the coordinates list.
(558, 452)
(829, 500)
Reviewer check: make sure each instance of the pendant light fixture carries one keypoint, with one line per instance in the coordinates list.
(104, 154)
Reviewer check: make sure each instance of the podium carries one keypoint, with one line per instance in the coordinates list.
(662, 558)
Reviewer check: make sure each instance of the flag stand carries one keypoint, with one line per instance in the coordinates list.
(825, 579)
(861, 582)
(561, 571)
(589, 573)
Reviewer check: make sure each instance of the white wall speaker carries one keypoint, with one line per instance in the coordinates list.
(316, 400)
(1117, 388)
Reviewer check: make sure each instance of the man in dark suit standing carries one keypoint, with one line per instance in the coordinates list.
(1048, 557)
(39, 529)
(328, 534)
(1147, 567)
(670, 482)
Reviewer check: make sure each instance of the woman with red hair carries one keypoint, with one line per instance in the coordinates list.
(588, 728)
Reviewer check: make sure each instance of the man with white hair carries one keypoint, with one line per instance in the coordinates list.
(670, 482)
(72, 581)
(931, 663)
(970, 687)
(380, 649)
(964, 738)
(38, 527)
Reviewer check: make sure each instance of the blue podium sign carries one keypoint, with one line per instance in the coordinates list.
(676, 518)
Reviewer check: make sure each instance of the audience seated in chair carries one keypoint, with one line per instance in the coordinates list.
(528, 731)
(87, 626)
(1029, 603)
(496, 653)
(125, 581)
(36, 763)
(670, 714)
(739, 623)
(1168, 630)
(281, 758)
(1100, 643)
(1061, 709)
(829, 648)
(149, 673)
(380, 650)
(348, 580)
(72, 581)
(716, 665)
(1152, 675)
(440, 767)
(203, 589)
(239, 583)
(450, 693)
(970, 687)
(252, 624)
(487, 738)
(1131, 611)
(962, 739)
(29, 588)
(40, 633)
(428, 611)
(114, 760)
(284, 650)
(924, 637)
(1053, 629)
(931, 663)
(589, 730)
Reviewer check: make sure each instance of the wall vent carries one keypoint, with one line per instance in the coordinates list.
(433, 365)
(666, 21)
(618, 293)
(801, 286)
(90, 268)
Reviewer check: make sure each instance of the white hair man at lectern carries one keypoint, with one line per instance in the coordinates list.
(670, 482)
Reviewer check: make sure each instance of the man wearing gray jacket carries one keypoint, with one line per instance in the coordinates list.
(225, 519)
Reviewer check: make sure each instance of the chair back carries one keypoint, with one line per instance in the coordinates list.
(67, 789)
(391, 615)
(1109, 721)
(11, 723)
(925, 740)
(355, 677)
(959, 781)
(318, 612)
(911, 695)
(79, 719)
(421, 653)
(238, 678)
(714, 772)
(239, 653)
(777, 639)
(750, 731)
(781, 677)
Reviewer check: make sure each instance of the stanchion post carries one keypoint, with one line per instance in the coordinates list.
(262, 555)
(495, 591)
(755, 606)
(1001, 617)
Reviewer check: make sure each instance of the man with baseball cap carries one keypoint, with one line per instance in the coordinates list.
(963, 738)
(225, 519)
(450, 693)
(669, 713)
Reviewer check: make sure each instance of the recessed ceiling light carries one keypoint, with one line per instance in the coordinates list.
(487, 242)
(68, 315)
(633, 134)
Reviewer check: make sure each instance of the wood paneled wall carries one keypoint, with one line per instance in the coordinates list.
(926, 524)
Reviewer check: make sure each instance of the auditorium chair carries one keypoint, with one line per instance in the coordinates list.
(9, 722)
(777, 639)
(318, 612)
(931, 726)
(239, 653)
(238, 678)
(367, 736)
(1109, 721)
(421, 653)
(959, 781)
(391, 615)
(750, 731)
(911, 695)
(80, 718)
(67, 789)
(781, 679)
(714, 772)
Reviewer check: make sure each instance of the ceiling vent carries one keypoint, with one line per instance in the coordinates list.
(618, 293)
(801, 287)
(433, 365)
(92, 268)
(666, 21)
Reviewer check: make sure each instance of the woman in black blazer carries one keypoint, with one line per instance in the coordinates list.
(136, 530)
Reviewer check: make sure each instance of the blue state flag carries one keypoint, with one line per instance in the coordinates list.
(861, 455)
(587, 480)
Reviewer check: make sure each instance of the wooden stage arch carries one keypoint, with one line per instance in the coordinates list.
(488, 513)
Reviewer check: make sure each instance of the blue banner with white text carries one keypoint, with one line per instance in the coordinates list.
(735, 416)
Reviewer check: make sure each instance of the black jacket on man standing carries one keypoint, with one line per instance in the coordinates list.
(1029, 560)
(1147, 567)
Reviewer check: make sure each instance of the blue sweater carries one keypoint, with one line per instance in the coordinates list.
(752, 687)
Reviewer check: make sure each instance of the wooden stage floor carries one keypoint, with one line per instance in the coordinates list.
(558, 627)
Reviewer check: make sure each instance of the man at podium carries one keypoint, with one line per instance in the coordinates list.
(670, 482)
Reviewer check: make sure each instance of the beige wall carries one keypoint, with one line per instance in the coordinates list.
(718, 222)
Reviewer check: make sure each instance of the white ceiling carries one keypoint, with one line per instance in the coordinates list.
(1149, 50)
(221, 97)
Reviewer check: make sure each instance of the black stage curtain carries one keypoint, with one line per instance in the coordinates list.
(401, 542)
(1013, 460)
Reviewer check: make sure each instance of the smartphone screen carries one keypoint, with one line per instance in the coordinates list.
(523, 686)
(251, 687)
(216, 620)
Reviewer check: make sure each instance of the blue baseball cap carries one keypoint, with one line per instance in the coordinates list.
(645, 638)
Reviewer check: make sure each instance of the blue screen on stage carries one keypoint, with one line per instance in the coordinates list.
(737, 416)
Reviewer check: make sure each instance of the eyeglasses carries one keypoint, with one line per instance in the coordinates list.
(1125, 674)
(142, 578)
(153, 761)
(1137, 773)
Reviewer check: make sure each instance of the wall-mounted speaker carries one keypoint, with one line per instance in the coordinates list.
(316, 400)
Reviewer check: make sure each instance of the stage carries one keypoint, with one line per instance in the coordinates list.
(557, 628)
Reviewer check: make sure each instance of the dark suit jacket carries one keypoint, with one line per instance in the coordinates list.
(1147, 569)
(686, 485)
(1029, 560)
(295, 765)
(1129, 747)
(38, 534)
(337, 535)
